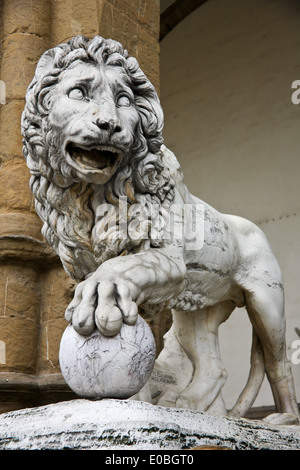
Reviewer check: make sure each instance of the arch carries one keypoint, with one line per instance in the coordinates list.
(175, 13)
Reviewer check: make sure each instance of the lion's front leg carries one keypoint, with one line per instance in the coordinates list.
(112, 294)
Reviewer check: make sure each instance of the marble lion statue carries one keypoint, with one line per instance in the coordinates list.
(116, 210)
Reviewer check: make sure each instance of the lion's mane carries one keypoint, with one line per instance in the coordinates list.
(81, 220)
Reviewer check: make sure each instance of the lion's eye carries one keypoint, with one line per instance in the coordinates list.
(123, 100)
(76, 94)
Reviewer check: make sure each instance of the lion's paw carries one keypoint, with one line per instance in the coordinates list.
(168, 398)
(187, 402)
(104, 305)
(285, 419)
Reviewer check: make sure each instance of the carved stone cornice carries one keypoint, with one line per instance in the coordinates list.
(20, 238)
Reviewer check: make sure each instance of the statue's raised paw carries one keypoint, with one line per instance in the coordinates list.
(103, 304)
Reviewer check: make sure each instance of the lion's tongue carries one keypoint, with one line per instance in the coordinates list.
(95, 158)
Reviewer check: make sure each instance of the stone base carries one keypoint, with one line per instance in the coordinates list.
(132, 425)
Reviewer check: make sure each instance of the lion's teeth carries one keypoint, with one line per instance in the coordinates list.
(106, 148)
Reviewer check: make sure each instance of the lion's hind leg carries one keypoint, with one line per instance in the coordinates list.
(265, 306)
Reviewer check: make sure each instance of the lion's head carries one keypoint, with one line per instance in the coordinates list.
(92, 129)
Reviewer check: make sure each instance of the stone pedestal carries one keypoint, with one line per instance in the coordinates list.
(132, 425)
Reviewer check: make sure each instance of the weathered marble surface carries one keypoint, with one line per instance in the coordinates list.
(133, 425)
(96, 366)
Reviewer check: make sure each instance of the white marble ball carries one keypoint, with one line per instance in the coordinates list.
(96, 366)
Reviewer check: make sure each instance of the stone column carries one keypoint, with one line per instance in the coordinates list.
(135, 23)
(24, 256)
(34, 289)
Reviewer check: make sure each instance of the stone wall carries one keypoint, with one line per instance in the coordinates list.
(34, 289)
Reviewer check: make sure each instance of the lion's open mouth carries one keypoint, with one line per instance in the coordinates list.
(97, 158)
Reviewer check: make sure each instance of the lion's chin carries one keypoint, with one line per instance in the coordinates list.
(95, 165)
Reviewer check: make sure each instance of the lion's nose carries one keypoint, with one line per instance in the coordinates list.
(109, 125)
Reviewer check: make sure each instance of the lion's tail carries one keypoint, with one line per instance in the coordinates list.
(254, 382)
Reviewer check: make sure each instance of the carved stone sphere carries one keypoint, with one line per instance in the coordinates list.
(96, 366)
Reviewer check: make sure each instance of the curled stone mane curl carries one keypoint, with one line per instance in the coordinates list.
(82, 220)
